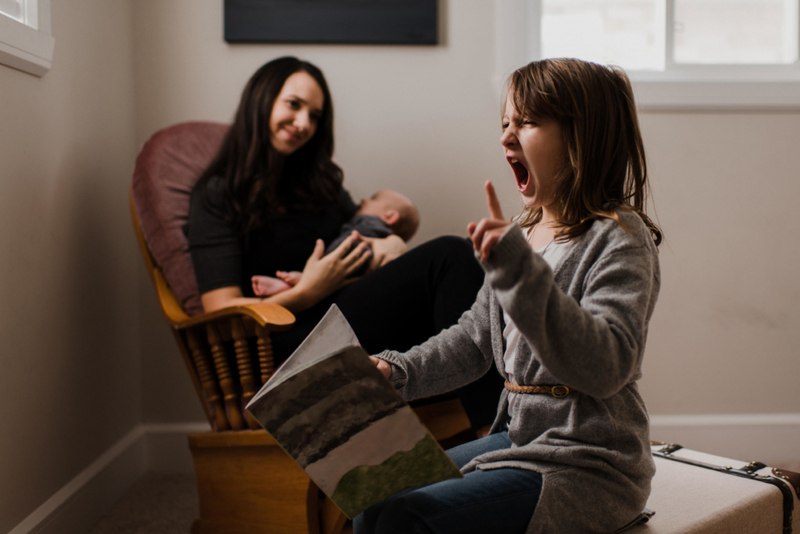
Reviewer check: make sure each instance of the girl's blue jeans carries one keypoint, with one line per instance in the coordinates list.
(494, 500)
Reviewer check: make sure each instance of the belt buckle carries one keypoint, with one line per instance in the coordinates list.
(559, 391)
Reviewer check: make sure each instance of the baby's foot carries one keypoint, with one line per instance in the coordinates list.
(291, 277)
(264, 286)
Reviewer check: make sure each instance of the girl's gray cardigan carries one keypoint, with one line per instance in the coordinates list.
(584, 325)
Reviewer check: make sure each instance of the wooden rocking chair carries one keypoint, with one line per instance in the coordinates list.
(246, 482)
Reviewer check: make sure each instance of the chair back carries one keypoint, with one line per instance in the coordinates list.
(167, 168)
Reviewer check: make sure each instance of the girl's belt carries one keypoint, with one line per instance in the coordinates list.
(556, 391)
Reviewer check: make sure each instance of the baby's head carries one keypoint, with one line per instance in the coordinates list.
(393, 208)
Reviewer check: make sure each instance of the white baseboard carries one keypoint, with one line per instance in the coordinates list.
(82, 502)
(85, 498)
(168, 446)
(769, 438)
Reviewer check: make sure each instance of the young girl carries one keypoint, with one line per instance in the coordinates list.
(563, 313)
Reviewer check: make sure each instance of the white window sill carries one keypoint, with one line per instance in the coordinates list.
(27, 49)
(723, 96)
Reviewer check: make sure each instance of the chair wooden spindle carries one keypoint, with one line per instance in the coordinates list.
(226, 382)
(244, 363)
(206, 377)
(265, 360)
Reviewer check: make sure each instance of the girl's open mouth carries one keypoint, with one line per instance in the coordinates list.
(520, 173)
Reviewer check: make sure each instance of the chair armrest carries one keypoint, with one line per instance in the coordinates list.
(270, 316)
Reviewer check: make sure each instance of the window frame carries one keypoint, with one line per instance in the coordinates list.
(25, 48)
(680, 87)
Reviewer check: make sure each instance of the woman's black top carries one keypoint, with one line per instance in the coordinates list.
(222, 257)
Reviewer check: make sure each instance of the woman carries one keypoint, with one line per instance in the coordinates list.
(273, 198)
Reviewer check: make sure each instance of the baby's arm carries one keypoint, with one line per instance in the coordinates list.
(265, 286)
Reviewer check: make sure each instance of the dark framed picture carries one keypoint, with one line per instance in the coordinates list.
(332, 21)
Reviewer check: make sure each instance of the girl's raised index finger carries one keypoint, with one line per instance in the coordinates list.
(494, 205)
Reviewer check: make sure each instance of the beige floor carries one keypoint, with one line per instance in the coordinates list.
(167, 504)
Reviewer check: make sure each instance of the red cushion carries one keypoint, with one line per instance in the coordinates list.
(167, 168)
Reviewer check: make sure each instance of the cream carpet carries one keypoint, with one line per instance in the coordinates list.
(156, 504)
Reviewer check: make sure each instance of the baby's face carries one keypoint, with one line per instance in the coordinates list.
(380, 203)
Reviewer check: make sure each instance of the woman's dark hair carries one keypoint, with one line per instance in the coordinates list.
(606, 169)
(257, 179)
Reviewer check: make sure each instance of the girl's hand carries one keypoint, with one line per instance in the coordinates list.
(324, 274)
(384, 249)
(383, 366)
(487, 232)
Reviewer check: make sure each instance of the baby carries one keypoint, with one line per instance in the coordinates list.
(384, 213)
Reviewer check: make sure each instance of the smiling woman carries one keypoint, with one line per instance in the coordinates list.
(273, 199)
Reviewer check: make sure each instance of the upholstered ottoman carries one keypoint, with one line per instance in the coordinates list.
(698, 493)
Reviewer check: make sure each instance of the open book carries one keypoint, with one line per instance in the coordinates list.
(331, 410)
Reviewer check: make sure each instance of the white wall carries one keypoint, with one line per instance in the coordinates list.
(69, 338)
(425, 120)
(725, 336)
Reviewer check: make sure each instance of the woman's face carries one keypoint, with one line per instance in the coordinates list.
(296, 112)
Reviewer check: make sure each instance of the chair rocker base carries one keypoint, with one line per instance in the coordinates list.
(247, 484)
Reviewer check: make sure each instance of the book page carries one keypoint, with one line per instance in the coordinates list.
(349, 429)
(331, 334)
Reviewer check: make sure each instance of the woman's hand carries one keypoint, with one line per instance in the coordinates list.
(324, 274)
(487, 232)
(321, 276)
(383, 366)
(384, 249)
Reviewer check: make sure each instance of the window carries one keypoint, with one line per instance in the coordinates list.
(678, 53)
(25, 40)
(22, 11)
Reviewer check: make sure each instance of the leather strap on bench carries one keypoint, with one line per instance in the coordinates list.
(748, 471)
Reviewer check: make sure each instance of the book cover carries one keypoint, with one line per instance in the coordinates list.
(333, 412)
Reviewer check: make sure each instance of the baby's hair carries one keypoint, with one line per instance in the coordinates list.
(408, 223)
(606, 168)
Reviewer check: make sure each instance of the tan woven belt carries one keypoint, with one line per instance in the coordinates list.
(556, 391)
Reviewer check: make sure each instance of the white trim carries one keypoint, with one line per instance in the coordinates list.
(85, 498)
(168, 446)
(27, 49)
(82, 501)
(726, 420)
(176, 428)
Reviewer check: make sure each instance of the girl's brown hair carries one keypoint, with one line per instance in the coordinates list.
(606, 169)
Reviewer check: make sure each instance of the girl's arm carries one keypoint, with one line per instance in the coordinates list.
(596, 344)
(321, 276)
(455, 357)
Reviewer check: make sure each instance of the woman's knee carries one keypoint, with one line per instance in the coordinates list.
(450, 245)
